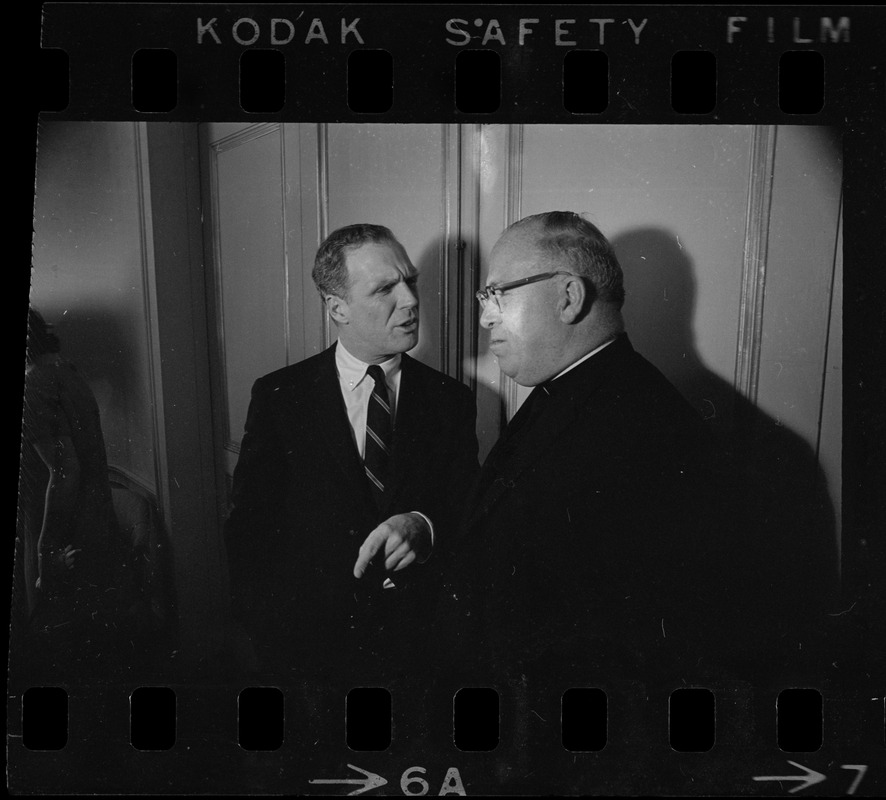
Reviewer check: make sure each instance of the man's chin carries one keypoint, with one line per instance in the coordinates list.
(406, 340)
(506, 366)
(514, 374)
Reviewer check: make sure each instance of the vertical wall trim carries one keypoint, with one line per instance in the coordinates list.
(827, 381)
(514, 175)
(152, 326)
(218, 289)
(463, 307)
(469, 192)
(224, 405)
(323, 204)
(753, 280)
(238, 139)
(477, 191)
(460, 304)
(445, 261)
(287, 333)
(827, 338)
(513, 212)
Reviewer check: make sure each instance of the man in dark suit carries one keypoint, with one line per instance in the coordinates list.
(589, 546)
(350, 471)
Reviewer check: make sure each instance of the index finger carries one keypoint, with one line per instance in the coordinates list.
(371, 545)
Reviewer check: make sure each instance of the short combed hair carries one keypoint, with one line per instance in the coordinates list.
(579, 246)
(330, 271)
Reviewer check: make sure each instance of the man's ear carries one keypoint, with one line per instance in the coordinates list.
(337, 308)
(575, 300)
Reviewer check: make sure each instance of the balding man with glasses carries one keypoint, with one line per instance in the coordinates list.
(588, 546)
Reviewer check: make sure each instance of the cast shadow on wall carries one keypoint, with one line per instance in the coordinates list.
(428, 263)
(779, 510)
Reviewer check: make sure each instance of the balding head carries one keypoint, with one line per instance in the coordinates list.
(567, 241)
(540, 327)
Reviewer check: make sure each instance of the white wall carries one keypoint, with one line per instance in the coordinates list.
(88, 275)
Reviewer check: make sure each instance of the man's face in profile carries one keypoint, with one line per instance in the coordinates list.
(381, 309)
(525, 332)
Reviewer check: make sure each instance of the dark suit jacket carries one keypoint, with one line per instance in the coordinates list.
(302, 506)
(589, 538)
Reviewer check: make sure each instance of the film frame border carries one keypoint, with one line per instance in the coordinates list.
(853, 101)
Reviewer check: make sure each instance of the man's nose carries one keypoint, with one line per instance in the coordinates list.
(407, 296)
(488, 315)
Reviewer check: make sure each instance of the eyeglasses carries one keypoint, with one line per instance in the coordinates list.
(493, 293)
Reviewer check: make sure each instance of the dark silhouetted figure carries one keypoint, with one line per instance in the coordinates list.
(71, 586)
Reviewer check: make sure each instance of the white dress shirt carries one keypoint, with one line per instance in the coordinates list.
(356, 389)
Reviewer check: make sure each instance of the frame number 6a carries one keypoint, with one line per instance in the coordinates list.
(412, 784)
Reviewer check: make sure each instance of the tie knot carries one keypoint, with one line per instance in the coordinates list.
(377, 374)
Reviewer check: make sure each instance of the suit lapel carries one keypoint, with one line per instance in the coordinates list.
(332, 418)
(487, 473)
(411, 429)
(533, 442)
(565, 407)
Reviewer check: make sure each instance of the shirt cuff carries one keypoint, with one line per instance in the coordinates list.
(430, 524)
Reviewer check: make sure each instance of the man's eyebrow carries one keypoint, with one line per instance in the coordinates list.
(392, 280)
(381, 283)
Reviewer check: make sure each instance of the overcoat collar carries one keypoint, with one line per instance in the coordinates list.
(567, 399)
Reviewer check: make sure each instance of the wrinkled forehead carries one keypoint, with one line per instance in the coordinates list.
(377, 258)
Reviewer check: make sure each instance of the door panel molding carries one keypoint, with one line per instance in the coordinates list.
(301, 193)
(828, 442)
(468, 258)
(246, 135)
(216, 149)
(513, 211)
(753, 280)
(287, 299)
(323, 204)
(448, 163)
(152, 324)
(180, 350)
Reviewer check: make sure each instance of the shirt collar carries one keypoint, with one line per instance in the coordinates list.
(584, 358)
(351, 370)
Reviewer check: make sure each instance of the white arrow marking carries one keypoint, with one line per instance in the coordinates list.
(809, 779)
(371, 781)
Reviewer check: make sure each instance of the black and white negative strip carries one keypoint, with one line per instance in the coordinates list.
(452, 399)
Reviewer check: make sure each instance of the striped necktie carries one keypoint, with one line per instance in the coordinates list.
(378, 434)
